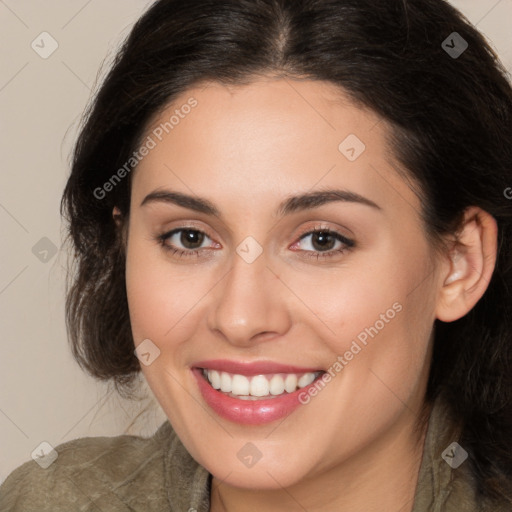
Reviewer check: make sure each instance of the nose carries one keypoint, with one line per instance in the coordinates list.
(249, 304)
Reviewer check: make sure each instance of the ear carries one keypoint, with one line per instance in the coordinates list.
(117, 216)
(471, 263)
(122, 227)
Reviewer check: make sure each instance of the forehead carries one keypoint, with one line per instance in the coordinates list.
(264, 140)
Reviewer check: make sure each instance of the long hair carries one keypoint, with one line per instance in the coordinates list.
(419, 64)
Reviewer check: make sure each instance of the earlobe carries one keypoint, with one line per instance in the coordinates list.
(471, 264)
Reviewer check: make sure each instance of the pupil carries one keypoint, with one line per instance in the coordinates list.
(323, 238)
(191, 237)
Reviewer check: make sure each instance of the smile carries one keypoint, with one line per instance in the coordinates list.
(258, 387)
(253, 393)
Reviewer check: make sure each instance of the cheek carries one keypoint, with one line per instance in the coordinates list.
(344, 300)
(161, 296)
(377, 314)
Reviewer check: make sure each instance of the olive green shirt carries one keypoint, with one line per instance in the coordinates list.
(157, 474)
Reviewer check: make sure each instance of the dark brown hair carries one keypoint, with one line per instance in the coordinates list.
(451, 119)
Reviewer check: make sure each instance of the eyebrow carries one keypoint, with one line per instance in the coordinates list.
(292, 204)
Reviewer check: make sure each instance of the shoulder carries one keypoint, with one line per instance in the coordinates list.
(447, 478)
(106, 472)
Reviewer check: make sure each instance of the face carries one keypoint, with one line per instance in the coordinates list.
(265, 281)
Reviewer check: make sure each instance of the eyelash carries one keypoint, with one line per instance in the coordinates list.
(318, 255)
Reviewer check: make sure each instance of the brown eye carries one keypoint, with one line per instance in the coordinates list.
(323, 240)
(191, 237)
(323, 243)
(183, 241)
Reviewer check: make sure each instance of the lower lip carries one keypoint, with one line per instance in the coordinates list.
(249, 412)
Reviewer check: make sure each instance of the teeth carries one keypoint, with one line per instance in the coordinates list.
(277, 385)
(214, 378)
(259, 386)
(290, 383)
(306, 380)
(240, 385)
(225, 382)
(252, 388)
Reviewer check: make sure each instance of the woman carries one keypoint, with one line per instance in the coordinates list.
(296, 213)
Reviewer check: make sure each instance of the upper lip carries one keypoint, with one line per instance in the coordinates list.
(249, 368)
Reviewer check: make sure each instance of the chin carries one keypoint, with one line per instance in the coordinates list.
(259, 477)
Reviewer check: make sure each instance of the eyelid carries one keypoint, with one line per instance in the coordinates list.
(348, 243)
(187, 227)
(323, 227)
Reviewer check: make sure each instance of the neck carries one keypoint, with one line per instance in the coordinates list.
(383, 476)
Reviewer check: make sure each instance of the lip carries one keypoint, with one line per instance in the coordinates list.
(252, 368)
(249, 412)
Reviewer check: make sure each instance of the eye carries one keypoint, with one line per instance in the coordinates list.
(190, 240)
(324, 243)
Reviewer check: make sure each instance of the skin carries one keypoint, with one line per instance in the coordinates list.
(353, 447)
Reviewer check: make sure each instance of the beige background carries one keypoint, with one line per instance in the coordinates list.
(44, 396)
